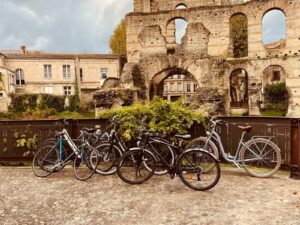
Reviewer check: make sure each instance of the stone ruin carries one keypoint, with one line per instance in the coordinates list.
(206, 51)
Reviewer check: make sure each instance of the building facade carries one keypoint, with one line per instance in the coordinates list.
(207, 52)
(28, 72)
(179, 86)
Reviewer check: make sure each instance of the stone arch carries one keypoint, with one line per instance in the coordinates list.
(181, 6)
(157, 80)
(238, 82)
(171, 30)
(111, 82)
(279, 32)
(273, 73)
(238, 46)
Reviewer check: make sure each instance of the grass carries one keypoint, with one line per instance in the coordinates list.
(273, 113)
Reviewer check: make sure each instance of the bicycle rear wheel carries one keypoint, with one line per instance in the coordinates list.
(261, 157)
(45, 160)
(192, 168)
(108, 157)
(85, 163)
(131, 167)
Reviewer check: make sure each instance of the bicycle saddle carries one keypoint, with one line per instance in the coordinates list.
(246, 129)
(90, 130)
(183, 137)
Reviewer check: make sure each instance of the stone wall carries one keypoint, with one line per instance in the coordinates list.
(204, 53)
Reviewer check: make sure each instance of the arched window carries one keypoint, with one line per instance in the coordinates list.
(239, 35)
(239, 88)
(181, 6)
(20, 77)
(273, 26)
(176, 30)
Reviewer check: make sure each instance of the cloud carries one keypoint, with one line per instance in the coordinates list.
(71, 26)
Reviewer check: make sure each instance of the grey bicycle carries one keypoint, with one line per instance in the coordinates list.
(259, 156)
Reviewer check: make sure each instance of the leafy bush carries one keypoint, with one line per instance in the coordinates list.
(52, 102)
(23, 102)
(168, 118)
(276, 99)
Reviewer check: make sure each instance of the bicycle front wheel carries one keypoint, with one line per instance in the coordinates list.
(198, 169)
(131, 167)
(45, 160)
(85, 163)
(204, 143)
(261, 157)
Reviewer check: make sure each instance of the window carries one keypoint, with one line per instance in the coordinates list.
(48, 90)
(103, 73)
(179, 86)
(195, 87)
(81, 74)
(179, 76)
(20, 77)
(165, 87)
(188, 87)
(171, 86)
(1, 95)
(47, 72)
(66, 71)
(276, 76)
(67, 90)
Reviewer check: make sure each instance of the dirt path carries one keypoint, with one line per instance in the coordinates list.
(61, 199)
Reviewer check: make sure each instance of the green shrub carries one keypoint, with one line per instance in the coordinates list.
(23, 102)
(276, 99)
(52, 102)
(168, 118)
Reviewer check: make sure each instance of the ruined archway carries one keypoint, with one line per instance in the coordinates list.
(172, 84)
(239, 89)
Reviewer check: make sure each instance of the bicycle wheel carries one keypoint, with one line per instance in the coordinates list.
(200, 142)
(192, 168)
(168, 155)
(131, 167)
(108, 157)
(85, 163)
(261, 157)
(45, 160)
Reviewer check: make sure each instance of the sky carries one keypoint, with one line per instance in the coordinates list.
(77, 26)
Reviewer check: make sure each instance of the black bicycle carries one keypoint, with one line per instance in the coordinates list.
(198, 169)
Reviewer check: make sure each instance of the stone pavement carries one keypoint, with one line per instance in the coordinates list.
(61, 199)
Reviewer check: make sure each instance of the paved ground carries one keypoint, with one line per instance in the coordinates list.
(61, 199)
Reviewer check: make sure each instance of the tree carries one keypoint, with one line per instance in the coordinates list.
(117, 40)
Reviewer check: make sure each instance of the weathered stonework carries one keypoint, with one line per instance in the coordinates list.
(204, 53)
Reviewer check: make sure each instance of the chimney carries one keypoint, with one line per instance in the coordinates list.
(23, 49)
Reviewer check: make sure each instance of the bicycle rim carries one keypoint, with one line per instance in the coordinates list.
(192, 168)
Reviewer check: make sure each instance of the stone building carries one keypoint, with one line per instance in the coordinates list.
(32, 72)
(207, 51)
(179, 86)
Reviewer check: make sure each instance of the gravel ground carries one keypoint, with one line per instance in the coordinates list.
(61, 199)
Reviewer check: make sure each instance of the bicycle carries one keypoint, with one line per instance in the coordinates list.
(53, 157)
(138, 165)
(260, 156)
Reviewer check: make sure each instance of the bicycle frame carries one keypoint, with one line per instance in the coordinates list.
(213, 135)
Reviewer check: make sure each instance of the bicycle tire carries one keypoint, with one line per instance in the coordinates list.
(44, 161)
(84, 167)
(132, 162)
(108, 155)
(160, 170)
(261, 167)
(200, 143)
(195, 161)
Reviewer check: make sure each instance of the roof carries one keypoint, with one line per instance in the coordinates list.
(42, 55)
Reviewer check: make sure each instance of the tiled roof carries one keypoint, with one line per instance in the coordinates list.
(60, 56)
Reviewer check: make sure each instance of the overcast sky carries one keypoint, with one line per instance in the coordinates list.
(70, 26)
